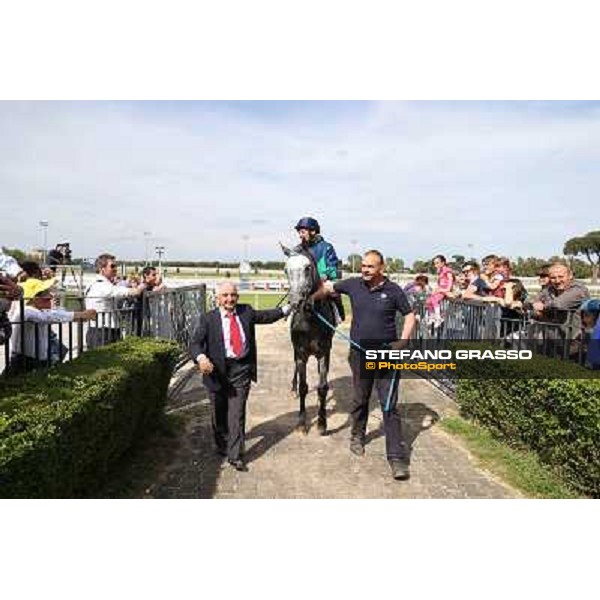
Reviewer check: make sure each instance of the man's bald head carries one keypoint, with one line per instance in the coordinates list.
(561, 276)
(372, 267)
(376, 255)
(226, 286)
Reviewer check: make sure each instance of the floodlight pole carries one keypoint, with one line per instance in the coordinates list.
(44, 226)
(160, 250)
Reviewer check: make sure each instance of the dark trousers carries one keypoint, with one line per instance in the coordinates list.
(229, 409)
(100, 336)
(363, 382)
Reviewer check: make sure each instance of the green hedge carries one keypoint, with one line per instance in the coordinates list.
(62, 429)
(559, 419)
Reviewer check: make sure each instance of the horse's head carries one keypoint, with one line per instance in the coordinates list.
(301, 273)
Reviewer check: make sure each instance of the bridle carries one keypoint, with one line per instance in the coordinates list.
(301, 272)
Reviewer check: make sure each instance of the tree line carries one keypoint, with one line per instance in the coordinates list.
(521, 266)
(587, 246)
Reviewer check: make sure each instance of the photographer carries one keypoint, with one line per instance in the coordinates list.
(61, 255)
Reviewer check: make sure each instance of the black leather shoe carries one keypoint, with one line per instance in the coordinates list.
(400, 470)
(239, 465)
(357, 446)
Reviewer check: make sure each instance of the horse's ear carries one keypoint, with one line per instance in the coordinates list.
(285, 250)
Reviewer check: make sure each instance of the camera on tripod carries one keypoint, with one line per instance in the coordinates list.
(60, 255)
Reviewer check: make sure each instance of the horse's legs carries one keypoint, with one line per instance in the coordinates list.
(295, 378)
(302, 391)
(322, 389)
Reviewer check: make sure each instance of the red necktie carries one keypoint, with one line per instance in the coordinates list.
(235, 335)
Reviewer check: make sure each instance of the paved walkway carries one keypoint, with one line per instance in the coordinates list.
(287, 464)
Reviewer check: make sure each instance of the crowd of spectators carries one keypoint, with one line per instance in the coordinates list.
(494, 282)
(29, 288)
(29, 309)
(561, 301)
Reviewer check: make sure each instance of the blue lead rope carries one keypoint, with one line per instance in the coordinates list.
(390, 391)
(360, 349)
(342, 335)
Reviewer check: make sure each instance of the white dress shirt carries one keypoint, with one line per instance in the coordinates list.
(102, 295)
(225, 322)
(227, 333)
(229, 353)
(32, 316)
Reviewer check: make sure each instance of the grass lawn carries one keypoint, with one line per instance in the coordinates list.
(260, 300)
(520, 469)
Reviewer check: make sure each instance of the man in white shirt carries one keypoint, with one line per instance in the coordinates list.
(103, 296)
(32, 325)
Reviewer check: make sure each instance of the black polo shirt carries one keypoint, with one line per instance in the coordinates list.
(373, 309)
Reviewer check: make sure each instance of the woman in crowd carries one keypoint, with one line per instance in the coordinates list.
(476, 287)
(443, 289)
(493, 275)
(544, 277)
(417, 290)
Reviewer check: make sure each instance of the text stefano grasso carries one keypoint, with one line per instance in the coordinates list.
(448, 354)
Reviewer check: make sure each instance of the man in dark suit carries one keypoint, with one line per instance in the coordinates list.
(223, 345)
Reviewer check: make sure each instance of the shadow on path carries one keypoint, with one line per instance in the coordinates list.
(271, 433)
(415, 417)
(195, 470)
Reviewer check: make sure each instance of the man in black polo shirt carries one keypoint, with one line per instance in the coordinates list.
(375, 301)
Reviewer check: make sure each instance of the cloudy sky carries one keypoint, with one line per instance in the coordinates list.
(410, 178)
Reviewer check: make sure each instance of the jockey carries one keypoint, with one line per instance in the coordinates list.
(323, 253)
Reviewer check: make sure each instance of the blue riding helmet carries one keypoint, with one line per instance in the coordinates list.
(308, 223)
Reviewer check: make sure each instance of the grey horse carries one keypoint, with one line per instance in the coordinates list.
(310, 335)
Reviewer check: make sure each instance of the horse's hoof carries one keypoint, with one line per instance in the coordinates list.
(322, 427)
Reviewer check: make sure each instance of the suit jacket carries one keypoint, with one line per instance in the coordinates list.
(207, 338)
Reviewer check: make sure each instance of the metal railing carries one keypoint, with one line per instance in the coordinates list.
(167, 314)
(559, 335)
